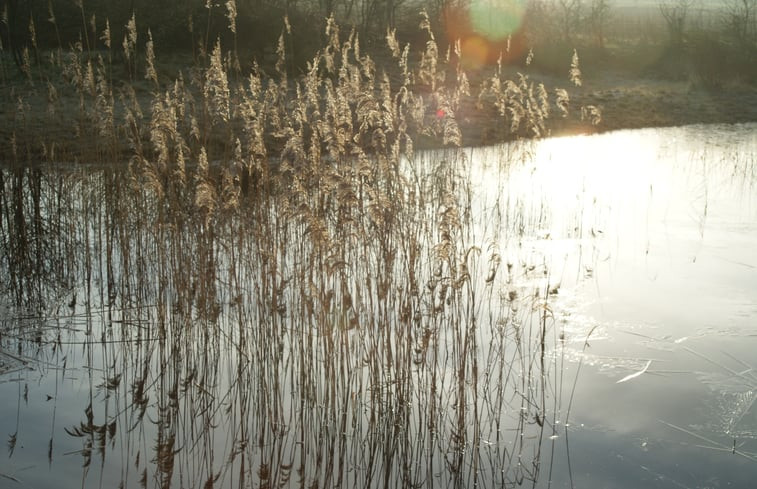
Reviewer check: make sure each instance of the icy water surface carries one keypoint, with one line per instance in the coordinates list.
(577, 313)
(652, 235)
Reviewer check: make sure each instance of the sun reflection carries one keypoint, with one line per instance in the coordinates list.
(602, 168)
(597, 169)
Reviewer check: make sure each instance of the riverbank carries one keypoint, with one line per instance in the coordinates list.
(49, 123)
(637, 103)
(634, 103)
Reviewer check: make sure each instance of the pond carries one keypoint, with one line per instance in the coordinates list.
(577, 312)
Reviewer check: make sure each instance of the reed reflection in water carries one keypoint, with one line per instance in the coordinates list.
(354, 328)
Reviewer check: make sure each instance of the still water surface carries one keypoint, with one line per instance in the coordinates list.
(655, 234)
(600, 330)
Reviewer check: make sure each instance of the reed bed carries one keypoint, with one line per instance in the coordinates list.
(217, 352)
(276, 290)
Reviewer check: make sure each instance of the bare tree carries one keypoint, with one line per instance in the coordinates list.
(739, 21)
(675, 13)
(374, 17)
(569, 17)
(598, 17)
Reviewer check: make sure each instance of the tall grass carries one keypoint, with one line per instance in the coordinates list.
(291, 340)
(277, 289)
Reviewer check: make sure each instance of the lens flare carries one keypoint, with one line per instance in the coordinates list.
(475, 52)
(495, 20)
(489, 31)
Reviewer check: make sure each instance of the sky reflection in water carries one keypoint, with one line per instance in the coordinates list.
(655, 232)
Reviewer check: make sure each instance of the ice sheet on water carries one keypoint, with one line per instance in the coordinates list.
(728, 382)
(736, 414)
(615, 367)
(734, 406)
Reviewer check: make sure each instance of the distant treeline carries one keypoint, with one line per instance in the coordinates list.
(721, 43)
(173, 23)
(181, 24)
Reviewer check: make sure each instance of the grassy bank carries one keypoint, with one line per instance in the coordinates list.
(126, 104)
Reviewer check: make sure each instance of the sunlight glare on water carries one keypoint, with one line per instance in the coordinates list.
(651, 235)
(662, 215)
